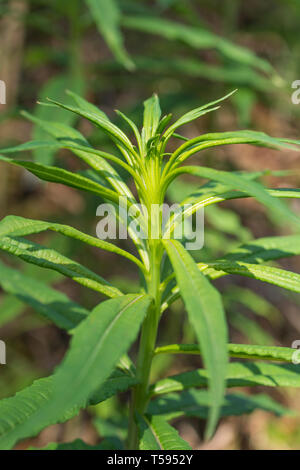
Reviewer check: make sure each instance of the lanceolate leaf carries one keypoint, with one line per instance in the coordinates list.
(156, 434)
(54, 87)
(102, 339)
(152, 115)
(108, 127)
(279, 277)
(50, 303)
(207, 316)
(15, 226)
(48, 258)
(107, 17)
(18, 411)
(78, 444)
(239, 374)
(245, 351)
(197, 38)
(238, 182)
(58, 175)
(228, 138)
(197, 403)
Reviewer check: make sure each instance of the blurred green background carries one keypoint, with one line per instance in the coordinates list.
(116, 54)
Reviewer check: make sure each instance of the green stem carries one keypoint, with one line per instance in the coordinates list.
(140, 393)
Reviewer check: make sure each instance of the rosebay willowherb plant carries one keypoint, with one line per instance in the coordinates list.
(96, 365)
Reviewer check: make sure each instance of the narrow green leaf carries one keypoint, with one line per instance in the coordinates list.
(78, 444)
(195, 37)
(259, 139)
(152, 115)
(279, 277)
(108, 17)
(48, 258)
(239, 374)
(194, 114)
(15, 226)
(50, 303)
(108, 127)
(85, 105)
(72, 139)
(207, 316)
(58, 175)
(252, 188)
(197, 403)
(156, 434)
(244, 351)
(102, 338)
(19, 410)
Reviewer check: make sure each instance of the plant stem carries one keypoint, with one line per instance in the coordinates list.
(140, 394)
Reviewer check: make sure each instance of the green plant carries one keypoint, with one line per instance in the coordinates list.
(97, 365)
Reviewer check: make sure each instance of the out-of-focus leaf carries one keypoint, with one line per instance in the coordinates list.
(104, 336)
(197, 402)
(49, 302)
(108, 17)
(156, 434)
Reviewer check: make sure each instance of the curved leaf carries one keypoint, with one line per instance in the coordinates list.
(245, 351)
(16, 411)
(102, 338)
(49, 302)
(15, 226)
(240, 183)
(58, 175)
(197, 403)
(108, 17)
(51, 259)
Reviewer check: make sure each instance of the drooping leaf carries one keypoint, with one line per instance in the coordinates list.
(239, 374)
(259, 139)
(15, 226)
(108, 127)
(196, 37)
(279, 277)
(108, 18)
(252, 188)
(206, 314)
(245, 351)
(47, 301)
(102, 338)
(194, 114)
